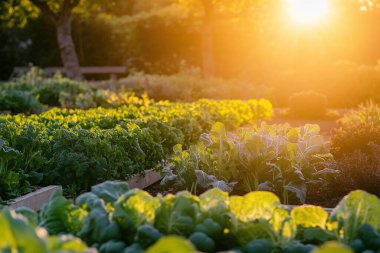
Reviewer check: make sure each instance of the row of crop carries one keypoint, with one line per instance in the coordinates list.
(275, 158)
(294, 163)
(33, 93)
(77, 148)
(112, 218)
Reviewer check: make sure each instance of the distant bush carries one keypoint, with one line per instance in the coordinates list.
(30, 91)
(360, 170)
(356, 130)
(49, 91)
(18, 101)
(191, 86)
(307, 104)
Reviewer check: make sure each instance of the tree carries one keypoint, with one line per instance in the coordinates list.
(60, 13)
(62, 20)
(212, 11)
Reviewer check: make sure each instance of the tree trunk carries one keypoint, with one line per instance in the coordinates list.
(207, 40)
(67, 48)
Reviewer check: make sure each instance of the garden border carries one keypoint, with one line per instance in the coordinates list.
(35, 200)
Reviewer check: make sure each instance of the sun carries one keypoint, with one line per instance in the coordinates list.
(308, 12)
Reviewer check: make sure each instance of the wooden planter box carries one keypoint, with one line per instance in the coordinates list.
(143, 181)
(35, 200)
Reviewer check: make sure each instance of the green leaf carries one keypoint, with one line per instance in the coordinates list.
(316, 235)
(172, 244)
(134, 209)
(214, 202)
(54, 214)
(250, 230)
(16, 234)
(66, 243)
(254, 205)
(333, 247)
(29, 214)
(112, 247)
(309, 216)
(354, 210)
(110, 191)
(177, 214)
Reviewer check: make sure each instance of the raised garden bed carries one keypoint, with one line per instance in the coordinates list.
(35, 200)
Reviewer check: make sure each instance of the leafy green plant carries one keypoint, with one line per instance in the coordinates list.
(9, 179)
(280, 159)
(359, 170)
(356, 130)
(112, 218)
(18, 101)
(78, 149)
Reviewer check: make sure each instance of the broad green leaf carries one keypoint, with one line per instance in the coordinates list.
(310, 129)
(254, 205)
(333, 247)
(354, 210)
(16, 234)
(110, 191)
(215, 204)
(218, 132)
(177, 214)
(138, 205)
(54, 214)
(251, 230)
(214, 200)
(66, 243)
(283, 228)
(172, 244)
(29, 214)
(309, 216)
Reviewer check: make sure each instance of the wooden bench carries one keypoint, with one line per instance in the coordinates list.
(113, 71)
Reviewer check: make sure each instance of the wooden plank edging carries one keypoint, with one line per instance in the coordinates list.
(143, 181)
(35, 200)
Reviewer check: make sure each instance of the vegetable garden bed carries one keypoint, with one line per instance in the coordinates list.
(112, 218)
(78, 149)
(35, 200)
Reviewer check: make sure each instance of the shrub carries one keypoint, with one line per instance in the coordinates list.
(307, 104)
(18, 101)
(356, 130)
(190, 87)
(274, 158)
(359, 170)
(49, 91)
(112, 218)
(78, 148)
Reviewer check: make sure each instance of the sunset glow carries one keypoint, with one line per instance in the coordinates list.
(308, 12)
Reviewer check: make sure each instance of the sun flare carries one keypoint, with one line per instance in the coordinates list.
(306, 12)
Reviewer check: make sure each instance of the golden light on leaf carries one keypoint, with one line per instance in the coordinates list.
(308, 12)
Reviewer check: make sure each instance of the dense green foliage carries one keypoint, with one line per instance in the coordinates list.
(77, 148)
(356, 145)
(357, 130)
(358, 170)
(276, 158)
(189, 86)
(133, 221)
(34, 92)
